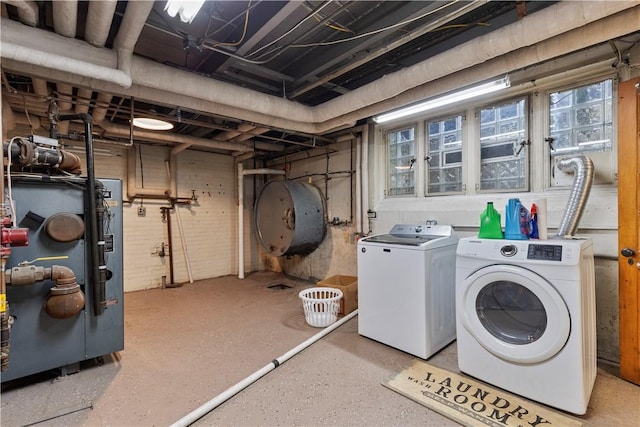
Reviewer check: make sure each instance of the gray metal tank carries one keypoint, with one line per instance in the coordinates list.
(289, 218)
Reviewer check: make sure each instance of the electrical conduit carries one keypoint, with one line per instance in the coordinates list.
(238, 387)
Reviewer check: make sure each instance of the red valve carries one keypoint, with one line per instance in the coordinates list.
(15, 236)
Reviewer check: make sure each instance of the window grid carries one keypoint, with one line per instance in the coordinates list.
(444, 158)
(502, 153)
(401, 160)
(581, 119)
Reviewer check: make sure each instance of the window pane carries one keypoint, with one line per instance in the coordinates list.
(503, 156)
(580, 119)
(444, 155)
(401, 160)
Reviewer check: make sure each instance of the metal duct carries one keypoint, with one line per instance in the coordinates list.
(582, 167)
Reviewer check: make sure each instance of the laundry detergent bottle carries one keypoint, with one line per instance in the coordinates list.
(490, 227)
(516, 221)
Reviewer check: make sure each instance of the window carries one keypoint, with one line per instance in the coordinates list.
(401, 160)
(503, 139)
(444, 155)
(580, 119)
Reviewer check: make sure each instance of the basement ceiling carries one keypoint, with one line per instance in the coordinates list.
(289, 53)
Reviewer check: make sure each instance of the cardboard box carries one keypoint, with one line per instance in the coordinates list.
(349, 287)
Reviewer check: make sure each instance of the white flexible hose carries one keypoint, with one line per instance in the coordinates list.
(203, 410)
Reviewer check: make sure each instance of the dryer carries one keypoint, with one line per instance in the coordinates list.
(406, 282)
(525, 317)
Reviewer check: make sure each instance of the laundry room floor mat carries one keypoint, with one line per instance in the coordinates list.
(470, 402)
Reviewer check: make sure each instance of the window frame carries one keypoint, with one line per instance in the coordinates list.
(477, 158)
(415, 166)
(598, 157)
(463, 152)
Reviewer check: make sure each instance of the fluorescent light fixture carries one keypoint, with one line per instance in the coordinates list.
(151, 124)
(462, 95)
(187, 9)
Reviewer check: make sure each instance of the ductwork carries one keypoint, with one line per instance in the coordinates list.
(497, 53)
(582, 167)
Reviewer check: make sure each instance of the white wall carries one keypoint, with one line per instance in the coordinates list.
(209, 224)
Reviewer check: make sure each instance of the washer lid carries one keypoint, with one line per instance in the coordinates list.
(412, 234)
(514, 313)
(399, 240)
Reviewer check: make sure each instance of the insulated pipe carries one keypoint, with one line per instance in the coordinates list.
(65, 17)
(358, 185)
(99, 17)
(133, 21)
(100, 108)
(591, 24)
(364, 167)
(209, 406)
(83, 100)
(44, 59)
(112, 129)
(133, 191)
(182, 237)
(241, 173)
(8, 118)
(583, 169)
(27, 11)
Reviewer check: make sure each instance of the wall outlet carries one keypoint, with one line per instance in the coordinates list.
(142, 211)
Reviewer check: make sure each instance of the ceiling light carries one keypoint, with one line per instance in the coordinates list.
(151, 124)
(462, 95)
(187, 9)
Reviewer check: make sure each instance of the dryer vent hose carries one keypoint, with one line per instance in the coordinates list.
(583, 170)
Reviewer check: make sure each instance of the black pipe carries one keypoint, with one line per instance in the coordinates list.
(96, 278)
(167, 212)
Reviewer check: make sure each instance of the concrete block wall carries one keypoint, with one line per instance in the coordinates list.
(209, 223)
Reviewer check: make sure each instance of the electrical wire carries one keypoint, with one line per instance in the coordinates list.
(337, 26)
(244, 30)
(380, 30)
(295, 27)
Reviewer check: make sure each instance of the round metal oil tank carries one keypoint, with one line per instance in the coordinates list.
(289, 218)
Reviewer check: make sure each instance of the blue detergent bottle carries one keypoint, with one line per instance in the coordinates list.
(516, 221)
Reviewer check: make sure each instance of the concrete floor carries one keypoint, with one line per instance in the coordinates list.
(185, 346)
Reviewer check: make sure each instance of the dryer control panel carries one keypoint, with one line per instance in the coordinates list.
(545, 252)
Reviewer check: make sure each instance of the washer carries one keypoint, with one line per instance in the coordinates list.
(526, 317)
(406, 282)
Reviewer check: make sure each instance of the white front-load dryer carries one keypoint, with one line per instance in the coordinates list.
(525, 317)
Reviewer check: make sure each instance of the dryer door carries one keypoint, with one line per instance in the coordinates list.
(514, 313)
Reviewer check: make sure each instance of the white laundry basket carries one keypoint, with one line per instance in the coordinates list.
(321, 305)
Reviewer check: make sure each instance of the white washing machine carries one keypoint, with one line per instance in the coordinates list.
(406, 285)
(526, 317)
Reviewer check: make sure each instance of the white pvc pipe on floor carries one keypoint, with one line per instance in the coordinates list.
(233, 390)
